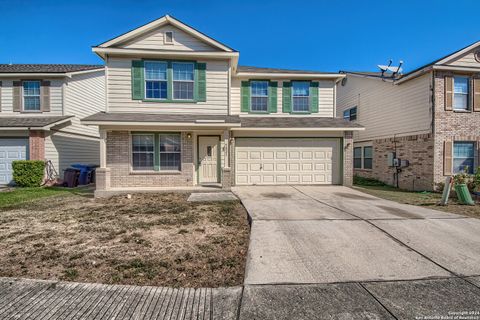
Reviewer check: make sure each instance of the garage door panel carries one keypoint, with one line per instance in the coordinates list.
(287, 161)
(11, 150)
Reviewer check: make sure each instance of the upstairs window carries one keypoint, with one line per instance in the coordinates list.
(461, 93)
(350, 114)
(31, 95)
(259, 96)
(463, 156)
(183, 80)
(156, 80)
(300, 96)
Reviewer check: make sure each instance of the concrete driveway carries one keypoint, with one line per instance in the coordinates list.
(312, 240)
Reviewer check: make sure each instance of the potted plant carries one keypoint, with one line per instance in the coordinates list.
(461, 181)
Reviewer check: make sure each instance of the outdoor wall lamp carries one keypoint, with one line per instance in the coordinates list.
(189, 135)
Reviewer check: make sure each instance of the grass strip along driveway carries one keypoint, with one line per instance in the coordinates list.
(424, 199)
(150, 239)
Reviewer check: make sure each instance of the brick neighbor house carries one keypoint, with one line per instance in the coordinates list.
(429, 116)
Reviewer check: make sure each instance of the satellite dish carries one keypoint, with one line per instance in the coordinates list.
(394, 70)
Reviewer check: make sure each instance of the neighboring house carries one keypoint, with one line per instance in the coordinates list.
(40, 110)
(180, 112)
(429, 116)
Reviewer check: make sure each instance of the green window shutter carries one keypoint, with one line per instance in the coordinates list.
(138, 84)
(272, 96)
(200, 82)
(287, 97)
(245, 103)
(313, 97)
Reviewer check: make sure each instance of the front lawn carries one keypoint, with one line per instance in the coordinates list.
(424, 199)
(150, 239)
(15, 196)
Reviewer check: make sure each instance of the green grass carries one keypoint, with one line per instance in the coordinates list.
(424, 199)
(21, 195)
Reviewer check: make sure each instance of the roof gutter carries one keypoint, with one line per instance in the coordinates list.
(102, 52)
(298, 129)
(263, 75)
(163, 124)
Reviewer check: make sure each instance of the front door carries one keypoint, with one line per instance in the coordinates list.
(208, 155)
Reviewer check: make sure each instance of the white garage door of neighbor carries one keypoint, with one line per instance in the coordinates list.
(287, 161)
(11, 149)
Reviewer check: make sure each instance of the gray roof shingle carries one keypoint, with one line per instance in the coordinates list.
(30, 122)
(297, 122)
(274, 70)
(46, 68)
(246, 122)
(144, 117)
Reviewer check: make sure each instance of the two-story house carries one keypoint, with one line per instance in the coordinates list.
(180, 112)
(40, 110)
(429, 117)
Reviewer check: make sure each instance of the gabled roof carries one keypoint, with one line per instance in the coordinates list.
(420, 70)
(47, 68)
(165, 20)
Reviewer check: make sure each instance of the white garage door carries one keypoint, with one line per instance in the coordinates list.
(287, 161)
(11, 149)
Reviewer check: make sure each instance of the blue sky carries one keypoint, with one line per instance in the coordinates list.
(317, 35)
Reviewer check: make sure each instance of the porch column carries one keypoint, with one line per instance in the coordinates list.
(348, 158)
(102, 174)
(226, 170)
(36, 144)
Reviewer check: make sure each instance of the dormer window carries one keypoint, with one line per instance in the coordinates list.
(168, 38)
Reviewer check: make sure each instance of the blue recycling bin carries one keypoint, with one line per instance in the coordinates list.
(85, 172)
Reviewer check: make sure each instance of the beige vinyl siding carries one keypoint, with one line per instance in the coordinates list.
(466, 60)
(84, 96)
(385, 109)
(120, 91)
(325, 98)
(155, 40)
(55, 99)
(65, 149)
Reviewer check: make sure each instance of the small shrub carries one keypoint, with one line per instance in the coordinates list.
(28, 173)
(362, 181)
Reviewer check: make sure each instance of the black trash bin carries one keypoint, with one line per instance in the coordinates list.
(70, 177)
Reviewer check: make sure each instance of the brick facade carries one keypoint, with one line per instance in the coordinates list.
(347, 158)
(36, 143)
(119, 158)
(417, 149)
(451, 125)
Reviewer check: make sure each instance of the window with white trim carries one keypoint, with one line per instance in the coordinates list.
(461, 93)
(143, 151)
(259, 96)
(463, 156)
(183, 80)
(367, 157)
(31, 95)
(300, 96)
(156, 80)
(170, 152)
(357, 157)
